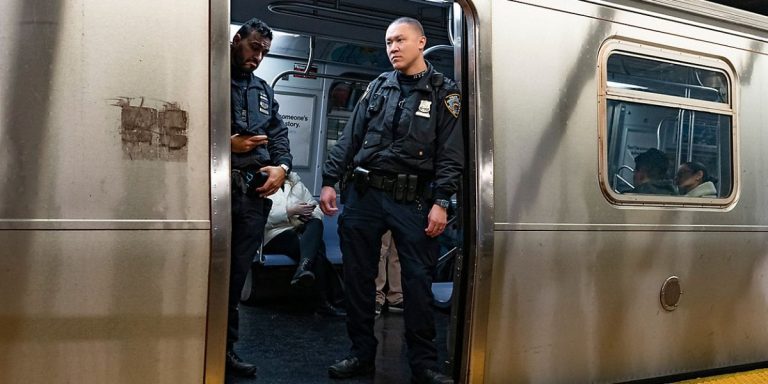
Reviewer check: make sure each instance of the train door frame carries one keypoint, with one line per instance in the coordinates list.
(473, 273)
(471, 318)
(220, 200)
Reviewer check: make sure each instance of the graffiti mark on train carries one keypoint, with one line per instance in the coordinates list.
(152, 129)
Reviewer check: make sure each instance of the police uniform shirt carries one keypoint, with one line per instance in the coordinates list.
(420, 134)
(255, 112)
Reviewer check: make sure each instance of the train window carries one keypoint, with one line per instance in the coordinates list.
(667, 131)
(666, 78)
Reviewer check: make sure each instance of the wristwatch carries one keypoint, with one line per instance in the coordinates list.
(443, 203)
(285, 168)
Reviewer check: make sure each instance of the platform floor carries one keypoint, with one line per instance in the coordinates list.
(292, 345)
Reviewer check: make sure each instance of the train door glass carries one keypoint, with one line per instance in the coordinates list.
(342, 96)
(668, 129)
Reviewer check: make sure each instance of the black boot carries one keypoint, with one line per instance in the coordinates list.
(303, 277)
(325, 308)
(238, 367)
(429, 376)
(351, 367)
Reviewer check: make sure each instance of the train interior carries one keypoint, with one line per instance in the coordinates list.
(684, 135)
(323, 55)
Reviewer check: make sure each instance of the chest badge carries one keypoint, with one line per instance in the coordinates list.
(424, 108)
(263, 104)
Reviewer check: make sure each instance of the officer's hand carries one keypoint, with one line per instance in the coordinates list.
(274, 182)
(245, 143)
(438, 218)
(328, 201)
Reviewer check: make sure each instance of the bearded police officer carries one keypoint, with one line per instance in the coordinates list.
(261, 159)
(400, 156)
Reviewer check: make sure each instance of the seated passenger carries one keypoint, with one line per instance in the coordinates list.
(295, 228)
(693, 180)
(650, 174)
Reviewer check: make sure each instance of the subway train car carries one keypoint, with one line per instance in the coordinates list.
(114, 151)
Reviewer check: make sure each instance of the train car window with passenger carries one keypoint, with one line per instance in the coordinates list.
(665, 117)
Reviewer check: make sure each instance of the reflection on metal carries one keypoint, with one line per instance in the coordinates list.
(148, 133)
(670, 293)
(220, 212)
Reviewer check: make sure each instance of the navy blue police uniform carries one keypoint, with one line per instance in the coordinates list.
(401, 150)
(254, 112)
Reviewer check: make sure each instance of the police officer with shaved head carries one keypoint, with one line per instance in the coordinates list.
(399, 158)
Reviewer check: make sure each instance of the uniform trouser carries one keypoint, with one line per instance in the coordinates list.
(389, 273)
(249, 215)
(366, 217)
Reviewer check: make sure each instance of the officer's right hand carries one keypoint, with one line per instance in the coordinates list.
(328, 201)
(246, 143)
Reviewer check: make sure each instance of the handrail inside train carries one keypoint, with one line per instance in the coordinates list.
(308, 67)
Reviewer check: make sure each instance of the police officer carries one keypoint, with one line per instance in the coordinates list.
(261, 160)
(403, 149)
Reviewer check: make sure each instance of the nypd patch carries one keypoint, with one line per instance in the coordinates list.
(453, 103)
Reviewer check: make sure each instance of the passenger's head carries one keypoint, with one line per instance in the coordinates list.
(690, 175)
(405, 45)
(340, 95)
(249, 46)
(650, 165)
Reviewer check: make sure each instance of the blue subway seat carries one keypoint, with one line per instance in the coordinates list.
(442, 293)
(330, 237)
(278, 260)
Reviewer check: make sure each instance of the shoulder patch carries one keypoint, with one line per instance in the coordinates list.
(453, 103)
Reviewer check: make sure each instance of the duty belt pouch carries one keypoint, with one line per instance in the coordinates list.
(361, 178)
(400, 186)
(253, 180)
(410, 194)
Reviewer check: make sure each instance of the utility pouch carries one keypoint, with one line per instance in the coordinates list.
(361, 178)
(376, 103)
(253, 180)
(410, 194)
(400, 186)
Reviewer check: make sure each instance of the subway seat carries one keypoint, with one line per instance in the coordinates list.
(330, 237)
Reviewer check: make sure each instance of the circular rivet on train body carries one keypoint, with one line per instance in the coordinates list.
(670, 293)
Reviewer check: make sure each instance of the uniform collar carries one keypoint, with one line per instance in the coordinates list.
(424, 83)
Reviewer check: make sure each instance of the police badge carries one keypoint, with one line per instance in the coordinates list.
(453, 103)
(263, 103)
(424, 108)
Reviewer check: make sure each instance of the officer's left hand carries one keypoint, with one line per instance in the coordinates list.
(438, 218)
(274, 182)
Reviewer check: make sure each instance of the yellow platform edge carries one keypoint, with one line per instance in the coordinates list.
(758, 376)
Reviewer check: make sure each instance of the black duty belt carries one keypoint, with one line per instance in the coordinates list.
(402, 187)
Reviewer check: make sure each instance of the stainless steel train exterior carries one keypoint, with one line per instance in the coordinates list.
(114, 222)
(569, 284)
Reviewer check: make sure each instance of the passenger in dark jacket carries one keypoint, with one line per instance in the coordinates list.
(650, 174)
